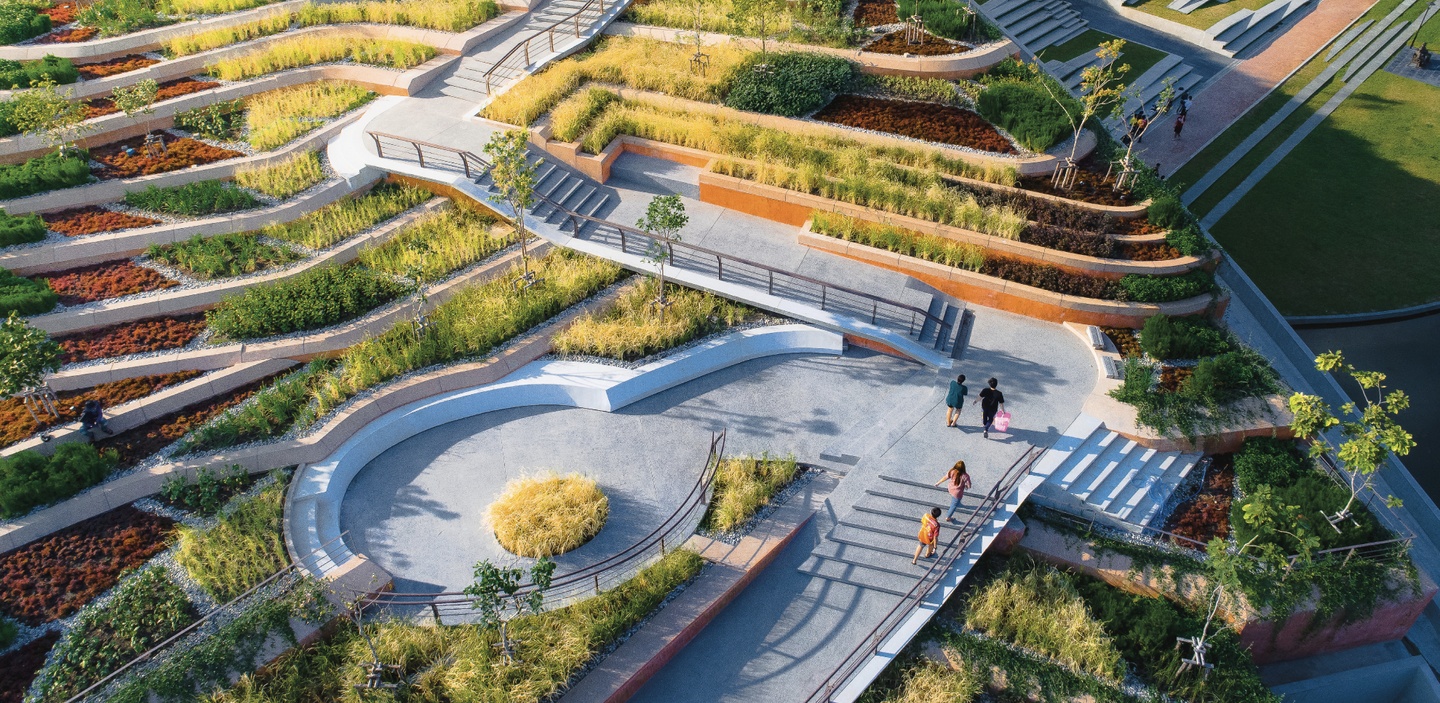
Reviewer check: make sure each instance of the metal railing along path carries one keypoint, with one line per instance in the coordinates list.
(724, 267)
(596, 578)
(958, 545)
(518, 57)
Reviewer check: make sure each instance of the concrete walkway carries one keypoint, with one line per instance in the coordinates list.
(1229, 96)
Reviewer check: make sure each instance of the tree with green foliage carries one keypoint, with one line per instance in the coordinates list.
(136, 100)
(1369, 434)
(1100, 89)
(26, 355)
(515, 179)
(664, 218)
(48, 112)
(1164, 101)
(759, 16)
(500, 595)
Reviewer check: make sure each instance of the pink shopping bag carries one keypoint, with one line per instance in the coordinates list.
(1002, 422)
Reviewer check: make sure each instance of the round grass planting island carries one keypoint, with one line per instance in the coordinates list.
(547, 515)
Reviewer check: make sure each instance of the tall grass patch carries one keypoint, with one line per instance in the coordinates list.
(438, 244)
(549, 514)
(744, 485)
(276, 117)
(221, 256)
(243, 548)
(286, 178)
(314, 49)
(339, 221)
(312, 300)
(225, 36)
(635, 328)
(207, 7)
(444, 15)
(194, 199)
(891, 238)
(271, 413)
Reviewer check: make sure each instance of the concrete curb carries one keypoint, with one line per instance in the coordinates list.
(1364, 318)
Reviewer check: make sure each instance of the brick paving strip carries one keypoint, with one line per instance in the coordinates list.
(1242, 87)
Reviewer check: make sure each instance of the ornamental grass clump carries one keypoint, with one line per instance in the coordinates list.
(243, 548)
(313, 49)
(633, 328)
(444, 15)
(221, 256)
(546, 515)
(193, 199)
(215, 38)
(282, 180)
(339, 221)
(438, 244)
(929, 247)
(276, 117)
(932, 682)
(311, 300)
(744, 485)
(1037, 607)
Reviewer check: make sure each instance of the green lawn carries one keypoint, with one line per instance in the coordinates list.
(1139, 56)
(1201, 18)
(1347, 222)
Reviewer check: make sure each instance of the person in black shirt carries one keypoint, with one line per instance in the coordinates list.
(991, 401)
(92, 416)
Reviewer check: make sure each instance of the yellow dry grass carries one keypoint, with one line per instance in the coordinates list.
(225, 36)
(278, 116)
(286, 178)
(314, 49)
(930, 682)
(549, 514)
(743, 486)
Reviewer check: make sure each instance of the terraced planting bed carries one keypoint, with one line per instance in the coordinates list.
(17, 423)
(127, 158)
(115, 67)
(1206, 516)
(89, 284)
(99, 107)
(896, 43)
(94, 219)
(153, 334)
(925, 121)
(134, 446)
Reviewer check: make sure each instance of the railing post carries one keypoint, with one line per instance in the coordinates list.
(597, 583)
(719, 268)
(552, 38)
(379, 150)
(771, 288)
(577, 24)
(435, 610)
(465, 160)
(622, 242)
(874, 312)
(823, 290)
(527, 53)
(420, 154)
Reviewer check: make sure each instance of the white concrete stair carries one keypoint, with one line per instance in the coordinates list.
(1242, 29)
(1036, 24)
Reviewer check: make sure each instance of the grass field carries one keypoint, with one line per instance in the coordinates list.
(1346, 222)
(1201, 18)
(1139, 56)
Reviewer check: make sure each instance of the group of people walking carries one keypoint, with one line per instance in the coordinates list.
(1139, 122)
(957, 480)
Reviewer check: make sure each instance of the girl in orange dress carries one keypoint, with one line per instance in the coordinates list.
(929, 533)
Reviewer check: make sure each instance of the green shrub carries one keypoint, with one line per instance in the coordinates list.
(221, 256)
(29, 479)
(20, 21)
(1144, 629)
(1228, 377)
(195, 199)
(1268, 461)
(25, 74)
(146, 609)
(48, 172)
(20, 229)
(7, 119)
(286, 178)
(1140, 288)
(271, 413)
(632, 329)
(1166, 337)
(1188, 240)
(1315, 495)
(243, 548)
(208, 492)
(1027, 112)
(116, 17)
(312, 300)
(795, 84)
(221, 121)
(25, 296)
(1167, 211)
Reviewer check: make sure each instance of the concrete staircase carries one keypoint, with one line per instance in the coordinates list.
(871, 546)
(1036, 24)
(1109, 478)
(1242, 29)
(572, 191)
(468, 80)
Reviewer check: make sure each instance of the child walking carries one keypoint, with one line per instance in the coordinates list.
(929, 534)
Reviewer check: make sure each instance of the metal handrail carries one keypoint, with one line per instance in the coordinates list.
(958, 545)
(549, 31)
(469, 163)
(587, 578)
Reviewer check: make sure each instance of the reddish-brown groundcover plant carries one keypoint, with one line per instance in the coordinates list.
(873, 13)
(16, 423)
(137, 444)
(124, 64)
(68, 36)
(1207, 515)
(928, 121)
(104, 281)
(895, 43)
(55, 575)
(153, 334)
(93, 219)
(180, 153)
(169, 89)
(18, 668)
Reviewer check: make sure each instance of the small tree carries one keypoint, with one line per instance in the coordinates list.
(664, 218)
(46, 111)
(136, 100)
(514, 179)
(1368, 430)
(1164, 100)
(498, 598)
(26, 355)
(699, 10)
(1100, 88)
(759, 16)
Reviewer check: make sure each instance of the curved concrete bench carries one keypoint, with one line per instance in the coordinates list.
(149, 39)
(113, 190)
(186, 300)
(965, 65)
(312, 511)
(326, 342)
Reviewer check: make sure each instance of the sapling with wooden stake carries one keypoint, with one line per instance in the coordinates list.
(1164, 101)
(663, 218)
(1368, 433)
(1100, 88)
(761, 16)
(515, 179)
(499, 596)
(50, 113)
(26, 355)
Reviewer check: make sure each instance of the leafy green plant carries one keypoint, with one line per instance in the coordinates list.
(26, 355)
(207, 493)
(44, 173)
(271, 413)
(789, 84)
(194, 199)
(221, 256)
(1016, 676)
(25, 296)
(116, 17)
(341, 220)
(20, 21)
(286, 178)
(514, 178)
(312, 300)
(1228, 377)
(221, 121)
(744, 485)
(46, 111)
(496, 594)
(1167, 211)
(438, 244)
(29, 479)
(1166, 337)
(244, 547)
(1268, 461)
(145, 610)
(1141, 288)
(9, 630)
(24, 74)
(1026, 112)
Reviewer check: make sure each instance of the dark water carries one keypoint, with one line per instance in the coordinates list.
(1407, 351)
